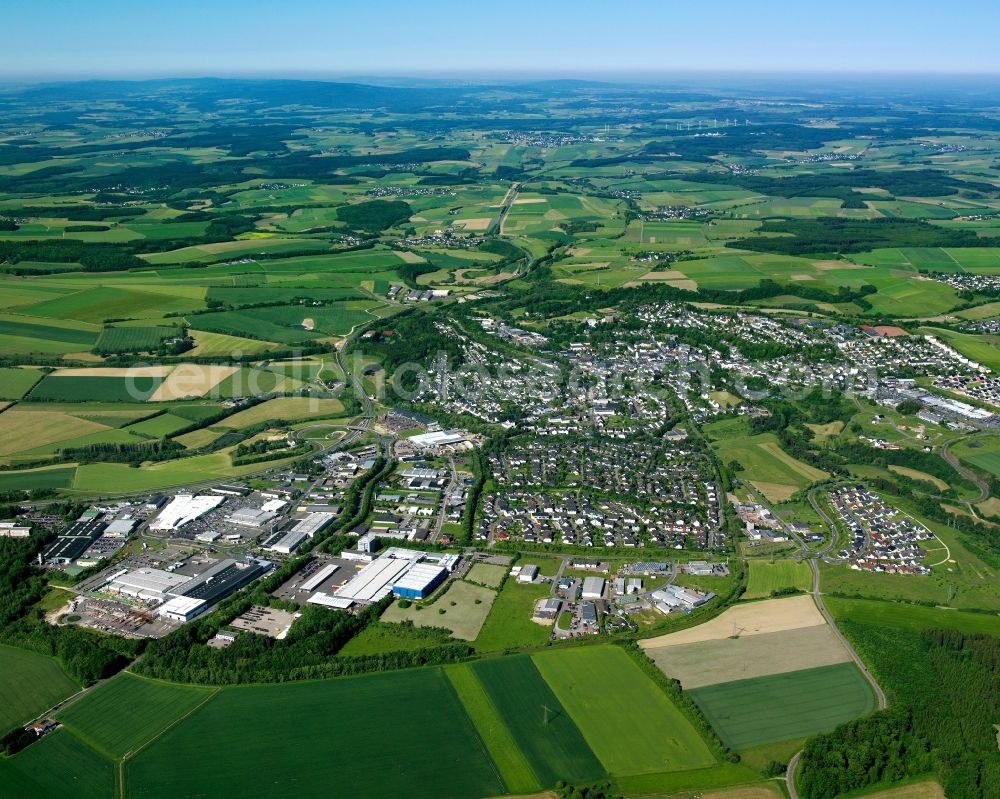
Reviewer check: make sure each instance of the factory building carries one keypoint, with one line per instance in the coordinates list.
(380, 577)
(181, 597)
(251, 517)
(182, 509)
(593, 588)
(75, 540)
(181, 608)
(288, 542)
(419, 581)
(312, 523)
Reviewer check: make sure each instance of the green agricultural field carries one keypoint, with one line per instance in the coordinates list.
(546, 733)
(98, 718)
(15, 383)
(95, 389)
(96, 305)
(53, 477)
(134, 339)
(339, 728)
(768, 576)
(764, 710)
(911, 617)
(514, 767)
(774, 472)
(29, 335)
(509, 624)
(60, 765)
(629, 722)
(31, 684)
(982, 452)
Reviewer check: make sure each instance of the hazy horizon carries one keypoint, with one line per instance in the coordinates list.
(58, 40)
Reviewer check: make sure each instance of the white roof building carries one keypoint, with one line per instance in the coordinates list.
(184, 508)
(181, 608)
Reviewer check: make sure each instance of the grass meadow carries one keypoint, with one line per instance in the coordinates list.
(31, 684)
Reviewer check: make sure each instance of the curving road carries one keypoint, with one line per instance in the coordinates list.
(954, 463)
(879, 693)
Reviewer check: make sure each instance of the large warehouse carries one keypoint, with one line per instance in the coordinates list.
(184, 508)
(382, 576)
(419, 581)
(181, 597)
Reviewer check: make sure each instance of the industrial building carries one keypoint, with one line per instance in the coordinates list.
(76, 540)
(287, 543)
(182, 509)
(181, 608)
(527, 574)
(312, 523)
(593, 588)
(12, 530)
(251, 517)
(181, 597)
(153, 584)
(419, 581)
(121, 527)
(380, 577)
(675, 597)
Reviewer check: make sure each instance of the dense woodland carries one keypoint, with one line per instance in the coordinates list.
(944, 700)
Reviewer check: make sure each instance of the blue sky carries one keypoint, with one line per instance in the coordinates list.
(101, 38)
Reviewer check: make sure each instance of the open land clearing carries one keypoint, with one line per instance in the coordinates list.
(752, 618)
(768, 576)
(488, 574)
(465, 607)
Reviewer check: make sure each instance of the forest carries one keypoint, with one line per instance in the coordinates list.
(944, 698)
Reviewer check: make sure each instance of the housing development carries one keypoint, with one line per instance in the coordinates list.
(484, 438)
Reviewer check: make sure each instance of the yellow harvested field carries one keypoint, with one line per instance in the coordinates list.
(751, 618)
(913, 473)
(727, 659)
(109, 371)
(22, 429)
(919, 790)
(191, 380)
(990, 507)
(480, 223)
(749, 792)
(284, 408)
(529, 200)
(669, 274)
(775, 492)
(410, 257)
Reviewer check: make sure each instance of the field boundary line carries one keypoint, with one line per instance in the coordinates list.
(132, 752)
(472, 725)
